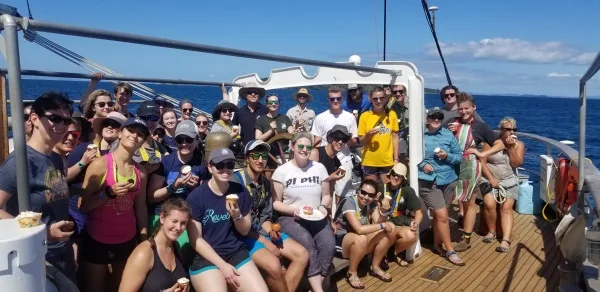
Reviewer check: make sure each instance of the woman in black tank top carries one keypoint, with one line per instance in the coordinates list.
(337, 138)
(154, 265)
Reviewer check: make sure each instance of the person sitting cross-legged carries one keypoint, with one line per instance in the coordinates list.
(362, 229)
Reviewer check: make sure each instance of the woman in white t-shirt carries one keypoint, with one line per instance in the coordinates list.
(301, 188)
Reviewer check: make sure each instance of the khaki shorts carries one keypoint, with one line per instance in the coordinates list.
(436, 196)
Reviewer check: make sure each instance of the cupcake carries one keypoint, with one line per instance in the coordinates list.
(29, 219)
(437, 150)
(385, 204)
(92, 147)
(185, 170)
(342, 171)
(308, 210)
(183, 282)
(232, 198)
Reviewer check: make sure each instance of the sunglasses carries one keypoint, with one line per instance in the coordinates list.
(201, 123)
(152, 118)
(75, 134)
(449, 95)
(395, 175)
(104, 104)
(226, 110)
(398, 91)
(377, 99)
(509, 129)
(436, 117)
(257, 156)
(335, 99)
(370, 195)
(229, 164)
(342, 138)
(26, 117)
(184, 139)
(273, 102)
(252, 92)
(56, 119)
(302, 96)
(302, 146)
(112, 124)
(185, 110)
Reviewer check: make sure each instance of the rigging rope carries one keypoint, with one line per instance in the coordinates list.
(437, 44)
(142, 91)
(29, 10)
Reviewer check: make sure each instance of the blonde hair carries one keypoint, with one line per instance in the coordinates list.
(510, 120)
(88, 108)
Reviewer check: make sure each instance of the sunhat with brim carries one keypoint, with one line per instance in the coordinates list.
(216, 114)
(399, 169)
(300, 92)
(115, 116)
(251, 86)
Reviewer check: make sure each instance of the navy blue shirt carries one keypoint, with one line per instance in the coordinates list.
(172, 168)
(218, 229)
(247, 119)
(49, 193)
(169, 143)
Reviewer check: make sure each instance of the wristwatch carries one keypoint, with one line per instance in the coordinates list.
(81, 165)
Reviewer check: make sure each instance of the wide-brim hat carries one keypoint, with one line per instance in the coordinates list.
(302, 91)
(216, 114)
(249, 86)
(115, 116)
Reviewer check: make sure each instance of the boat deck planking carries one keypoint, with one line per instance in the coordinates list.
(530, 265)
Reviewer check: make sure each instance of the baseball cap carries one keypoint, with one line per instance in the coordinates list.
(435, 111)
(352, 86)
(301, 135)
(399, 168)
(137, 122)
(148, 108)
(187, 128)
(339, 128)
(256, 143)
(220, 155)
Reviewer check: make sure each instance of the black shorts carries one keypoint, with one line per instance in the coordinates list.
(339, 240)
(104, 253)
(237, 259)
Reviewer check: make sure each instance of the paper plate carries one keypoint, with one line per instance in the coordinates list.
(316, 215)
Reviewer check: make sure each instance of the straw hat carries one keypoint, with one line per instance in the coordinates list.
(249, 86)
(115, 116)
(302, 91)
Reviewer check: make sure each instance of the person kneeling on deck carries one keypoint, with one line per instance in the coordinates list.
(362, 229)
(404, 210)
(265, 241)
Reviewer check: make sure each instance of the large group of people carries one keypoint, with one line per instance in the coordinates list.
(137, 201)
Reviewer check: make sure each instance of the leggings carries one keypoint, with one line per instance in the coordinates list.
(317, 237)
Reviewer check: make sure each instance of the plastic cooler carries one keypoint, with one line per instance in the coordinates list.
(527, 203)
(23, 251)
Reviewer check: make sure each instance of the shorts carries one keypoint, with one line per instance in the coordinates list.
(339, 239)
(254, 245)
(436, 196)
(375, 170)
(402, 147)
(237, 259)
(100, 253)
(486, 189)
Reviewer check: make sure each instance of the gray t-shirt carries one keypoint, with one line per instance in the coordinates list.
(349, 205)
(49, 192)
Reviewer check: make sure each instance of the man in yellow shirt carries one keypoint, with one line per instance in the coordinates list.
(378, 133)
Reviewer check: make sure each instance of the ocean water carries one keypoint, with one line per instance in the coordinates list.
(555, 118)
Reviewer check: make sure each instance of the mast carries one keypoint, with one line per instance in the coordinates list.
(384, 26)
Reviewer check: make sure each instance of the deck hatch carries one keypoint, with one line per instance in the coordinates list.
(435, 273)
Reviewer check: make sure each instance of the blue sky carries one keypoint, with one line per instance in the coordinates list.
(507, 46)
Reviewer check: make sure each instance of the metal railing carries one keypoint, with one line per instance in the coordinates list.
(12, 24)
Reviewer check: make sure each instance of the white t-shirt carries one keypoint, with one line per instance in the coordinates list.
(301, 186)
(326, 120)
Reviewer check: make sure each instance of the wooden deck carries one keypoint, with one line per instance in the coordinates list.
(529, 266)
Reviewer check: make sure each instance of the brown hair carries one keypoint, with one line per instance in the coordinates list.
(167, 110)
(124, 85)
(443, 91)
(334, 89)
(465, 97)
(175, 204)
(88, 108)
(376, 89)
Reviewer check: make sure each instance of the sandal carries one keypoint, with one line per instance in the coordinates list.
(487, 239)
(401, 262)
(380, 274)
(354, 281)
(463, 245)
(503, 249)
(453, 258)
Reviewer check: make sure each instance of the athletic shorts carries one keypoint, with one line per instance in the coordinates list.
(436, 196)
(237, 259)
(100, 253)
(374, 170)
(254, 245)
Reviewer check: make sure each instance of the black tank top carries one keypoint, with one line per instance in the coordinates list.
(159, 278)
(331, 164)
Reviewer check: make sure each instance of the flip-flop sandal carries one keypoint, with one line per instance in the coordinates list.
(380, 274)
(453, 258)
(503, 249)
(487, 239)
(354, 281)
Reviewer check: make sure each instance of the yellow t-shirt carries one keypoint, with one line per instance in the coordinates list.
(380, 151)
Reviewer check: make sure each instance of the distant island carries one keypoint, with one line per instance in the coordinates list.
(366, 87)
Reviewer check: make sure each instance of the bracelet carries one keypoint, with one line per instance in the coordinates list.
(380, 213)
(170, 189)
(381, 226)
(81, 165)
(238, 218)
